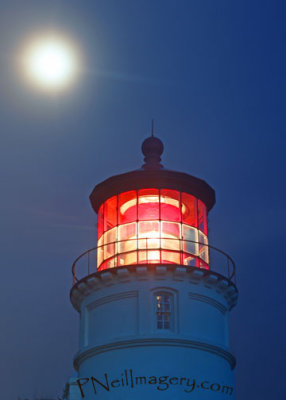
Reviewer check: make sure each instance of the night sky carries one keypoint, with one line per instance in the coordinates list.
(212, 75)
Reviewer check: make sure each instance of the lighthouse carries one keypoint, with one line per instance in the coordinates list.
(153, 294)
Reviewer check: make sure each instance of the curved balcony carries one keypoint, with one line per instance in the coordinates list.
(217, 260)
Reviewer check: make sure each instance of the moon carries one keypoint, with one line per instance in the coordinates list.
(50, 62)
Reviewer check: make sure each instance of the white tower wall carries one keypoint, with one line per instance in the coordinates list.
(123, 355)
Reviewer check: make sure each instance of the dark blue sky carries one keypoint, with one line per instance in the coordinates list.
(212, 74)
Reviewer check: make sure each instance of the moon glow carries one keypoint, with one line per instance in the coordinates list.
(50, 63)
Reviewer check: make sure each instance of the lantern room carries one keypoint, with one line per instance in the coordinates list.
(152, 216)
(151, 226)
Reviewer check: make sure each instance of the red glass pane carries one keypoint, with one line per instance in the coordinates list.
(102, 266)
(127, 259)
(170, 244)
(110, 213)
(100, 221)
(149, 257)
(127, 231)
(170, 205)
(148, 229)
(142, 256)
(204, 265)
(109, 250)
(170, 257)
(111, 263)
(203, 250)
(202, 217)
(148, 204)
(189, 209)
(100, 255)
(191, 261)
(170, 230)
(127, 207)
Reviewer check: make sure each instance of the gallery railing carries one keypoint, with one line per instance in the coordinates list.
(218, 261)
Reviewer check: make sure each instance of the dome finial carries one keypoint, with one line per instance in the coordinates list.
(152, 148)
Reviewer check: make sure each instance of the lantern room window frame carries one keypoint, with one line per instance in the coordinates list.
(160, 225)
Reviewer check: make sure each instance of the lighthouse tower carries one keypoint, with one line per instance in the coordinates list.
(153, 295)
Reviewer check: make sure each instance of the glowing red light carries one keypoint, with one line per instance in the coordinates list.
(152, 226)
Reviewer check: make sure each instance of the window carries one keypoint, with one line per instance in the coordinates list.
(164, 310)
